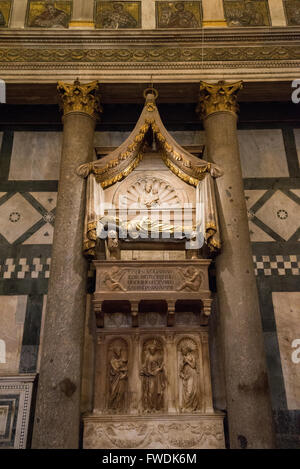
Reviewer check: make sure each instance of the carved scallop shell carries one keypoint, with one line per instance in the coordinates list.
(150, 193)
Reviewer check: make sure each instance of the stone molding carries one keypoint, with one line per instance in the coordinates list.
(248, 54)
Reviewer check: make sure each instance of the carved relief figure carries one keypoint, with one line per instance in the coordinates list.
(112, 279)
(113, 246)
(177, 15)
(50, 17)
(149, 193)
(189, 375)
(153, 376)
(241, 13)
(117, 375)
(192, 279)
(149, 197)
(292, 8)
(115, 16)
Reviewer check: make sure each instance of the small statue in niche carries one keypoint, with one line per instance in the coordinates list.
(154, 376)
(113, 246)
(189, 375)
(118, 376)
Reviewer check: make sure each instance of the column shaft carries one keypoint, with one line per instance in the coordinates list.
(57, 415)
(248, 398)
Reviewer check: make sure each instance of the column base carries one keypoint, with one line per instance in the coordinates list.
(188, 431)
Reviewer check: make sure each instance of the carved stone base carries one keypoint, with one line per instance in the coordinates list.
(201, 431)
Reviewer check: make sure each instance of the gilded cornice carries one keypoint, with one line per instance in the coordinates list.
(150, 55)
(219, 97)
(79, 97)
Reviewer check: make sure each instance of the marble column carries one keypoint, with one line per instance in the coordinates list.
(247, 391)
(57, 415)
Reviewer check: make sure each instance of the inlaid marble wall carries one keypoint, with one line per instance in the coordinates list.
(125, 14)
(29, 169)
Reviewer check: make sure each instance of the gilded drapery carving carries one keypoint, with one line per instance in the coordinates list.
(122, 161)
(206, 213)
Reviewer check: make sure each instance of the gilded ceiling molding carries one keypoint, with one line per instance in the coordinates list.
(54, 55)
(79, 97)
(219, 97)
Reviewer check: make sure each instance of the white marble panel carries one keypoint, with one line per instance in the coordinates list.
(192, 137)
(213, 10)
(287, 314)
(262, 153)
(277, 13)
(18, 14)
(12, 315)
(297, 138)
(110, 139)
(36, 156)
(148, 14)
(42, 333)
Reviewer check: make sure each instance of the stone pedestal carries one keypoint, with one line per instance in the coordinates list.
(57, 416)
(152, 373)
(248, 398)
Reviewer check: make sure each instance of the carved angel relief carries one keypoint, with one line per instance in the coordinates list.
(190, 398)
(148, 193)
(154, 380)
(117, 372)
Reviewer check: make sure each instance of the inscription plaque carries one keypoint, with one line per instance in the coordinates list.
(150, 280)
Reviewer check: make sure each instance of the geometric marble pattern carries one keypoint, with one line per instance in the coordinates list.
(46, 199)
(16, 217)
(28, 218)
(281, 214)
(252, 196)
(22, 268)
(276, 265)
(257, 234)
(43, 236)
(39, 268)
(287, 313)
(15, 405)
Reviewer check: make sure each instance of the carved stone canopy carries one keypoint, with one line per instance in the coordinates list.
(120, 162)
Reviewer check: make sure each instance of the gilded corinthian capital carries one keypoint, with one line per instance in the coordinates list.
(79, 97)
(218, 97)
